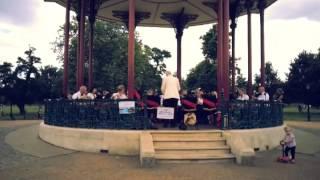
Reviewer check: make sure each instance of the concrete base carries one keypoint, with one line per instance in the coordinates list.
(116, 142)
(147, 153)
(243, 143)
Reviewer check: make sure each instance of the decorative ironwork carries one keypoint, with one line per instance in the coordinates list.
(98, 114)
(124, 16)
(179, 21)
(252, 114)
(104, 114)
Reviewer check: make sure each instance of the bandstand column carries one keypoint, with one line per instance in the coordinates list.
(226, 57)
(179, 39)
(179, 22)
(80, 48)
(233, 26)
(92, 18)
(78, 45)
(220, 49)
(131, 47)
(262, 5)
(249, 90)
(66, 50)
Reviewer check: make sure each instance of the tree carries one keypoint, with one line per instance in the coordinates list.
(272, 81)
(241, 82)
(209, 44)
(51, 82)
(209, 50)
(110, 57)
(6, 81)
(26, 88)
(303, 80)
(203, 75)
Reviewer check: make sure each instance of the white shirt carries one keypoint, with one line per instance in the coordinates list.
(76, 95)
(91, 96)
(116, 96)
(200, 101)
(263, 97)
(244, 97)
(290, 140)
(170, 87)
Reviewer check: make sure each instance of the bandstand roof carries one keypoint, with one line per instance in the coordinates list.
(155, 9)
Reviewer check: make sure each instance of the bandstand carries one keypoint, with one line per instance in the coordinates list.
(96, 126)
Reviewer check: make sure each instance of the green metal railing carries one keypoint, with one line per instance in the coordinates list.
(251, 114)
(98, 114)
(104, 114)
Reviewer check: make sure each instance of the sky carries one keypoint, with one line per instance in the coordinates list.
(291, 26)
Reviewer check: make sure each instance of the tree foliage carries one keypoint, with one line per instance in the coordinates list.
(203, 75)
(303, 84)
(110, 57)
(272, 81)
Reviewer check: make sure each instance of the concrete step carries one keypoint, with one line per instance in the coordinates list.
(189, 145)
(186, 134)
(193, 156)
(187, 138)
(216, 151)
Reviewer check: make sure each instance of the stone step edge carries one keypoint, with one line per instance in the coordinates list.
(193, 157)
(192, 149)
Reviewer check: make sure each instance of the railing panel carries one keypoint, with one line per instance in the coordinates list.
(251, 114)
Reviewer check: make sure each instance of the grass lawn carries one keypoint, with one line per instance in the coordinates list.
(291, 113)
(32, 112)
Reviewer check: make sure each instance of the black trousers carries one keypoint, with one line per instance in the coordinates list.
(292, 151)
(172, 102)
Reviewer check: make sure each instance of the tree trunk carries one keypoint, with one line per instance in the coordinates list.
(21, 108)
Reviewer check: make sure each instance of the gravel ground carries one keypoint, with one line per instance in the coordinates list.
(78, 165)
(8, 156)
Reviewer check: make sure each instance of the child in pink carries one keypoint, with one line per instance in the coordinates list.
(290, 144)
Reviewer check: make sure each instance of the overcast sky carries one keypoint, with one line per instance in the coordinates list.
(291, 26)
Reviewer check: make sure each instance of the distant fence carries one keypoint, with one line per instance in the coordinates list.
(33, 112)
(105, 114)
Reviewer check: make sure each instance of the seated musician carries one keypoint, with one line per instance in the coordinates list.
(188, 107)
(210, 106)
(201, 115)
(152, 101)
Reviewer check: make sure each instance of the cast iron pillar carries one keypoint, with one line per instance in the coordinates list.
(220, 50)
(233, 15)
(226, 56)
(249, 4)
(92, 19)
(80, 48)
(78, 44)
(179, 22)
(131, 19)
(218, 8)
(66, 50)
(262, 5)
(131, 46)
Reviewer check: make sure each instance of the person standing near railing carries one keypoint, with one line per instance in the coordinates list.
(242, 96)
(81, 94)
(120, 94)
(262, 95)
(170, 88)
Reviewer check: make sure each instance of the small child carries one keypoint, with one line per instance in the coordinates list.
(289, 142)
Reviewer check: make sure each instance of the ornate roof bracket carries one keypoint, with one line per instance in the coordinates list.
(179, 21)
(124, 16)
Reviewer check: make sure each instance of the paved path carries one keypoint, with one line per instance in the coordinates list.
(31, 143)
(78, 165)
